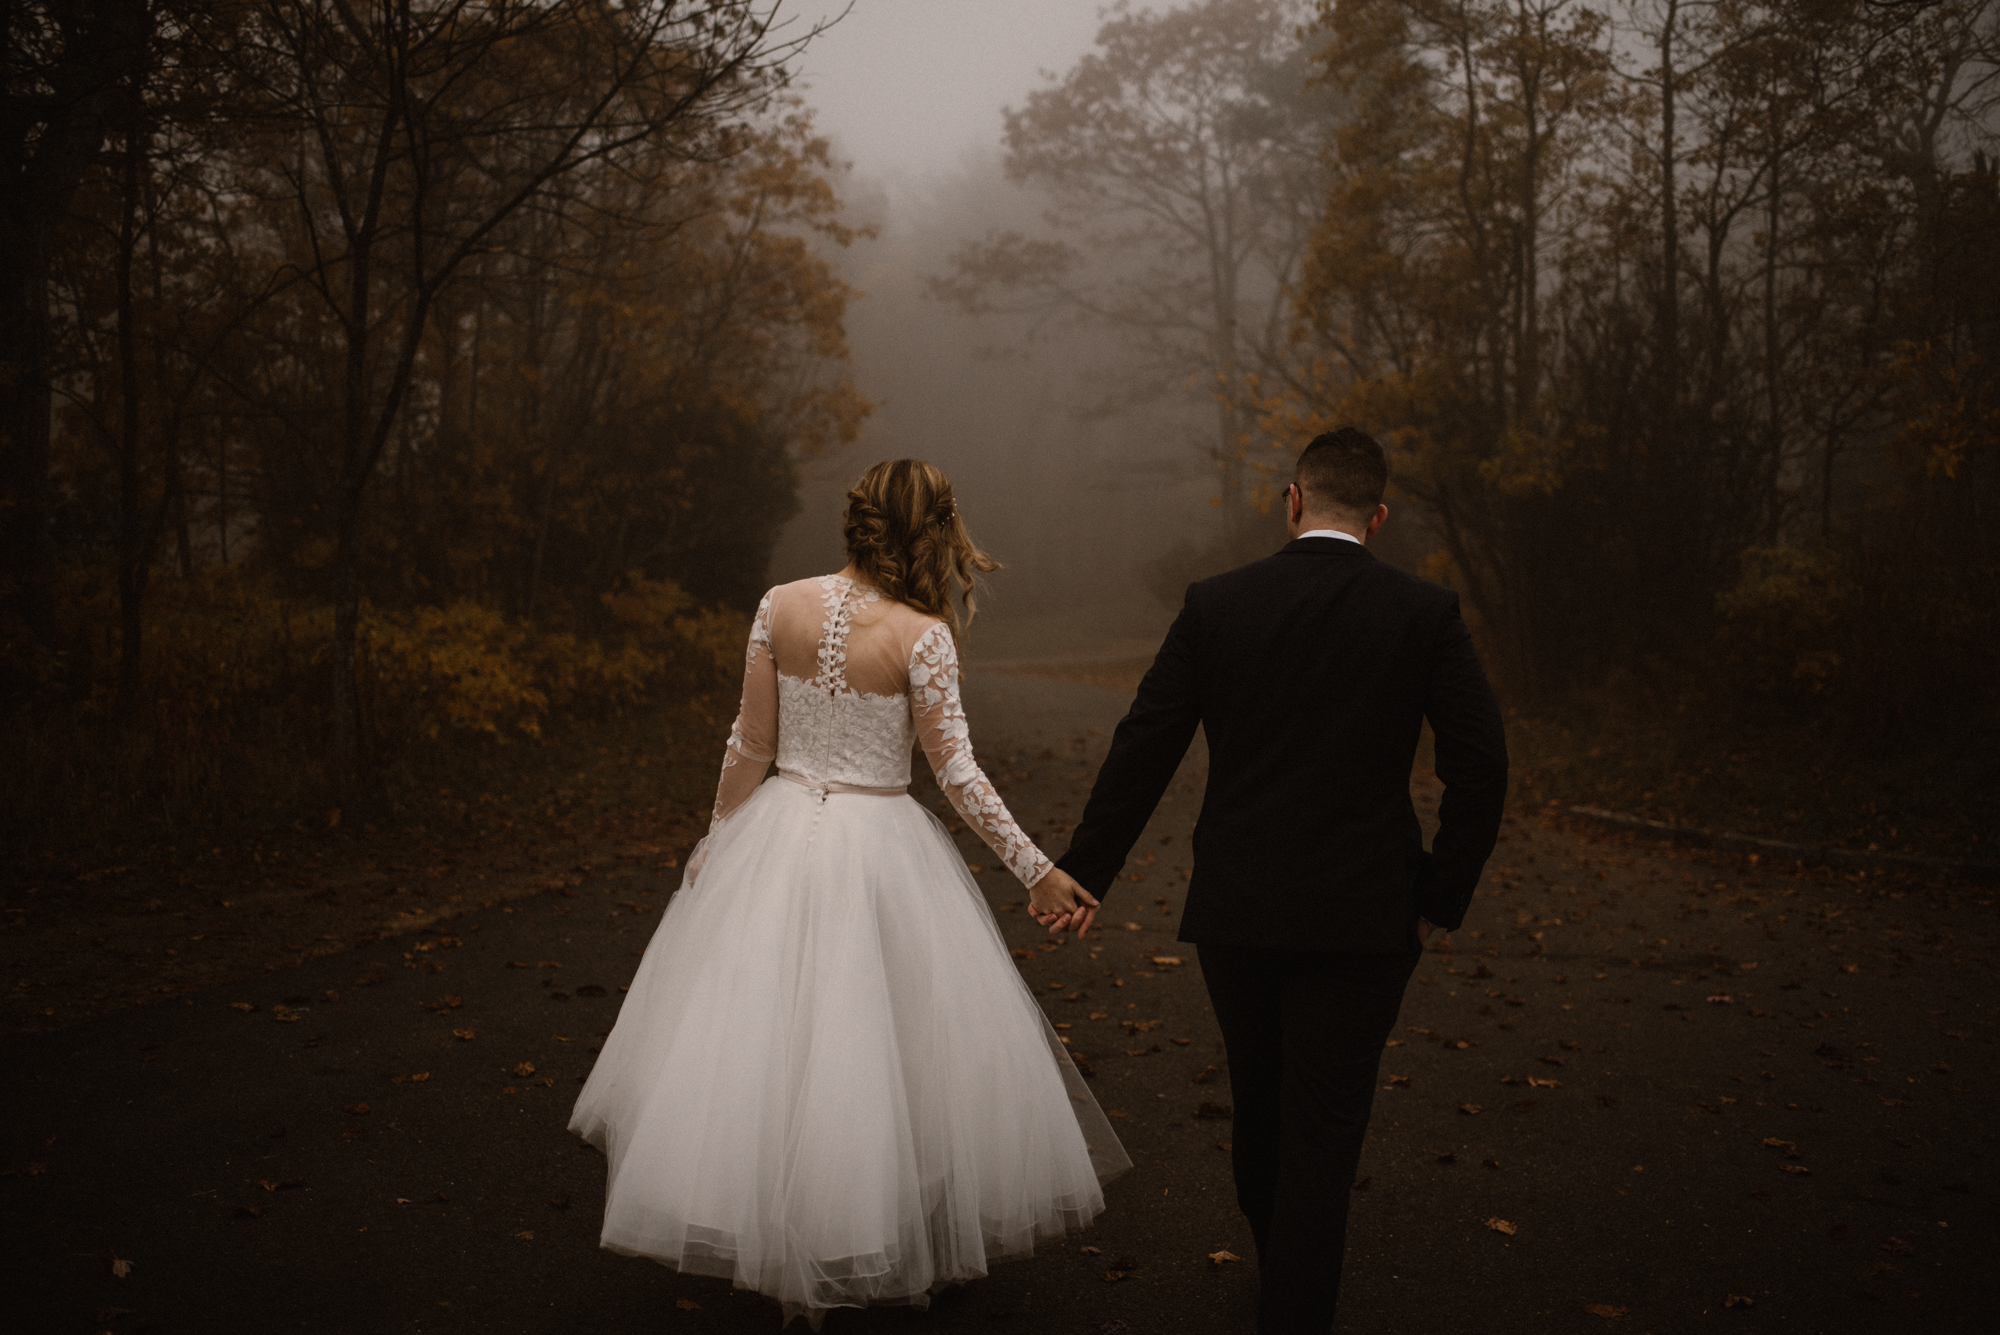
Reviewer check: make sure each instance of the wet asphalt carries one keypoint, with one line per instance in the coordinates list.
(1643, 1090)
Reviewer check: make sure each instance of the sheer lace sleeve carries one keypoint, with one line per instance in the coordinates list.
(753, 738)
(947, 743)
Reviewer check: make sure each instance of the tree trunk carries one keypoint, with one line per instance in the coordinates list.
(1773, 424)
(355, 462)
(103, 47)
(1668, 329)
(132, 560)
(24, 418)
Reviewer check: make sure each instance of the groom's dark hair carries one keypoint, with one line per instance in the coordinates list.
(1343, 470)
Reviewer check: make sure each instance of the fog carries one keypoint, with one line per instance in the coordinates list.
(1072, 493)
(1071, 498)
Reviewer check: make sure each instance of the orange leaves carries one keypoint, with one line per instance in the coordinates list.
(464, 1035)
(524, 1069)
(1499, 1225)
(1605, 1310)
(1223, 1257)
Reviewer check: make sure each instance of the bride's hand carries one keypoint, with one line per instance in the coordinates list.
(1058, 903)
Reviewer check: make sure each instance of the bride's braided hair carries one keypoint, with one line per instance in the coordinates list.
(904, 534)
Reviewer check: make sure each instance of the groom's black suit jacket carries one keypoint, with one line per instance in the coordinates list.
(1311, 672)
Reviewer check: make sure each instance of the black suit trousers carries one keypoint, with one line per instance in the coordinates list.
(1304, 1031)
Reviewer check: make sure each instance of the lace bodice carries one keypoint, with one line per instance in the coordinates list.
(843, 701)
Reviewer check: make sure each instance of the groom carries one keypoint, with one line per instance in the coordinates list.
(1311, 672)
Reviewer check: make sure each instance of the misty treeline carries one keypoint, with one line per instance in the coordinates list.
(1681, 319)
(374, 370)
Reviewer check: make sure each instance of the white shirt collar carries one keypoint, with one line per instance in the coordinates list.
(1332, 533)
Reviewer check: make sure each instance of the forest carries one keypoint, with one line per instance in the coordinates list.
(386, 379)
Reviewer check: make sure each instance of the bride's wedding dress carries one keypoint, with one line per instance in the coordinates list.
(828, 1081)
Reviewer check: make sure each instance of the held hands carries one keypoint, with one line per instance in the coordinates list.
(1058, 903)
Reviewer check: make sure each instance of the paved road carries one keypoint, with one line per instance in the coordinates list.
(1695, 1081)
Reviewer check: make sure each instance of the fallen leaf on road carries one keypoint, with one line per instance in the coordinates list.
(1396, 1080)
(443, 1004)
(1131, 926)
(1165, 960)
(1721, 1000)
(524, 1068)
(1093, 1251)
(402, 1200)
(120, 1268)
(1499, 1225)
(526, 1235)
(1223, 1257)
(1795, 1168)
(356, 1110)
(1180, 1042)
(1447, 1157)
(1773, 1143)
(241, 1006)
(519, 964)
(1739, 1300)
(284, 1014)
(1605, 1310)
(1469, 1109)
(415, 1078)
(462, 1035)
(687, 1304)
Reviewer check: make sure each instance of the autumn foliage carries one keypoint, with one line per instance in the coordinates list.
(414, 378)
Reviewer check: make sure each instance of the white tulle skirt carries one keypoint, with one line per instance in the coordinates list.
(828, 1081)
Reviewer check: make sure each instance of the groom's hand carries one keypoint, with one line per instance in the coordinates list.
(1058, 903)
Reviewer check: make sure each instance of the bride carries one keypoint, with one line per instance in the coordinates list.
(828, 1081)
